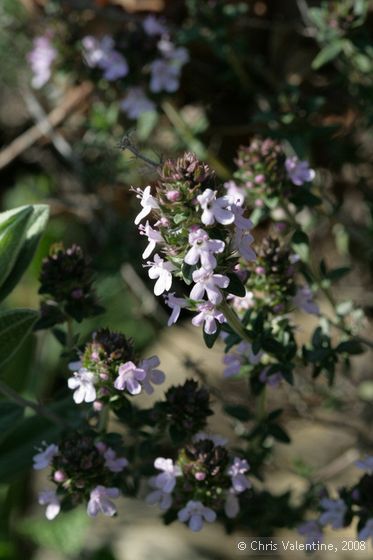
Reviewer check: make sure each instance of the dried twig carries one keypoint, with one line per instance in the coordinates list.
(69, 103)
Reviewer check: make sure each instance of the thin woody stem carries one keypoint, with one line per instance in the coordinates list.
(12, 395)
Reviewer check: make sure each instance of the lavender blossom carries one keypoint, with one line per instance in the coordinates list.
(272, 380)
(234, 360)
(334, 512)
(312, 531)
(44, 458)
(158, 496)
(235, 193)
(40, 59)
(101, 53)
(237, 473)
(153, 375)
(136, 103)
(165, 76)
(154, 26)
(195, 513)
(367, 531)
(112, 462)
(303, 299)
(366, 464)
(99, 501)
(299, 172)
(129, 377)
(166, 481)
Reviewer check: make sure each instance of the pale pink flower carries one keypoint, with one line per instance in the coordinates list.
(166, 481)
(299, 172)
(208, 316)
(153, 236)
(148, 203)
(176, 304)
(161, 270)
(129, 377)
(304, 300)
(215, 209)
(207, 281)
(112, 462)
(203, 249)
(158, 496)
(235, 193)
(40, 59)
(237, 471)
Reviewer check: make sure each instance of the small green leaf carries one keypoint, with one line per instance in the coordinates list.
(15, 325)
(210, 339)
(238, 411)
(328, 53)
(350, 347)
(235, 286)
(278, 433)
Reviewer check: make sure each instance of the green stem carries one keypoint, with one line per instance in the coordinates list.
(262, 404)
(104, 418)
(234, 321)
(12, 395)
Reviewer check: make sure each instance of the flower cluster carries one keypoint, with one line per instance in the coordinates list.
(265, 174)
(205, 481)
(41, 58)
(108, 369)
(202, 235)
(84, 469)
(67, 278)
(158, 70)
(356, 501)
(185, 409)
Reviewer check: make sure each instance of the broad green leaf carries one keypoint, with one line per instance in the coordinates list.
(36, 224)
(17, 449)
(13, 227)
(15, 325)
(66, 534)
(10, 414)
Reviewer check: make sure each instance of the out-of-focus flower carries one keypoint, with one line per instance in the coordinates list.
(237, 471)
(136, 103)
(99, 501)
(165, 76)
(235, 193)
(367, 531)
(83, 385)
(158, 496)
(273, 379)
(303, 299)
(366, 464)
(50, 499)
(102, 54)
(176, 304)
(154, 26)
(234, 360)
(334, 512)
(195, 513)
(40, 59)
(312, 531)
(112, 462)
(299, 172)
(44, 458)
(153, 375)
(232, 505)
(167, 479)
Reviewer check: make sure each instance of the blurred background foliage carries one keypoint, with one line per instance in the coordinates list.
(298, 71)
